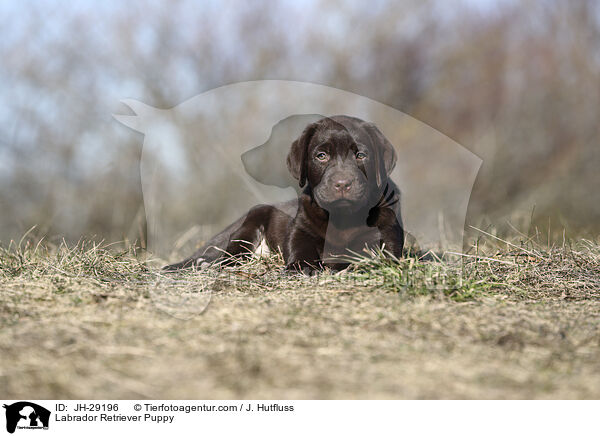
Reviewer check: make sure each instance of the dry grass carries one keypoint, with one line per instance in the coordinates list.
(507, 320)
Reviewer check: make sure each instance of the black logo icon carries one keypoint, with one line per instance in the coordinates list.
(24, 414)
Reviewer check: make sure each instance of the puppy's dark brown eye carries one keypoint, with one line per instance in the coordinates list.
(322, 156)
(360, 155)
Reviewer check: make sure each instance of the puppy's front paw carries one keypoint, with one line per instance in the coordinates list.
(303, 268)
(188, 264)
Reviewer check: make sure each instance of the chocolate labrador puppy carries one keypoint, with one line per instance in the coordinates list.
(347, 203)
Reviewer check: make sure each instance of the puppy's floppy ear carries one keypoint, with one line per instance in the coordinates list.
(297, 157)
(385, 155)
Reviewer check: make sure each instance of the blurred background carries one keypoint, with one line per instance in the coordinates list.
(515, 82)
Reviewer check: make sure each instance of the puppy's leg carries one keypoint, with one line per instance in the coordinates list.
(209, 252)
(303, 255)
(246, 239)
(392, 235)
(237, 242)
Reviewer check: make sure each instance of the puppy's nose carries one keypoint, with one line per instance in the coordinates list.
(342, 185)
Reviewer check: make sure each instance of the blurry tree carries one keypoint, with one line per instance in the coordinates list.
(515, 82)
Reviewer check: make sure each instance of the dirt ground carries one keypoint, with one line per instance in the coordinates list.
(84, 323)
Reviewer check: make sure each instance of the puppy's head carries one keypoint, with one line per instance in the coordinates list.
(345, 161)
